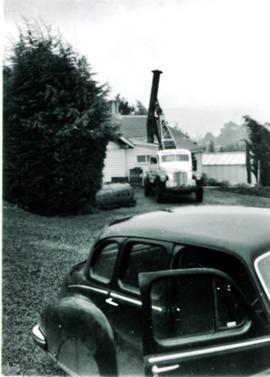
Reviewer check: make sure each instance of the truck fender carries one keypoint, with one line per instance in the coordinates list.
(79, 337)
(159, 183)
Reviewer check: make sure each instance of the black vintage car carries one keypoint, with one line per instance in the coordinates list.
(188, 289)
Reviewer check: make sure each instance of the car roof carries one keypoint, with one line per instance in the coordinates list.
(244, 231)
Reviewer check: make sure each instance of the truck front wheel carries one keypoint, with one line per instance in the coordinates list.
(159, 193)
(199, 194)
(147, 189)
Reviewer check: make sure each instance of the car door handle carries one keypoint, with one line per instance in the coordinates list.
(111, 302)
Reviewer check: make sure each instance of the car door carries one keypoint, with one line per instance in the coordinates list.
(124, 305)
(197, 322)
(101, 270)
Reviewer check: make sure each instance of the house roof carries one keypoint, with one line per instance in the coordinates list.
(126, 141)
(184, 142)
(143, 143)
(134, 127)
(224, 158)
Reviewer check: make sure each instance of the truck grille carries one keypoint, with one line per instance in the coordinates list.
(180, 178)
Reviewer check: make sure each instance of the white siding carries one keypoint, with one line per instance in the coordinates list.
(120, 161)
(115, 164)
(232, 173)
(198, 157)
(224, 158)
(226, 166)
(139, 151)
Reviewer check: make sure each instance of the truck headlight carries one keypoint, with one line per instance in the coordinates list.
(163, 177)
(197, 176)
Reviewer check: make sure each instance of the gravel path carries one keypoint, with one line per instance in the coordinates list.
(37, 253)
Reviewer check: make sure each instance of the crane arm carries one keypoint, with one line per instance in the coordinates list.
(156, 123)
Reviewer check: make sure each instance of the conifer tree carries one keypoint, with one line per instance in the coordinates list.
(56, 125)
(259, 150)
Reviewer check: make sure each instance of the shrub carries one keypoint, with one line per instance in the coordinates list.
(258, 147)
(56, 126)
(208, 181)
(224, 185)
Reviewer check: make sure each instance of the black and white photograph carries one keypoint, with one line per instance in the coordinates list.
(135, 188)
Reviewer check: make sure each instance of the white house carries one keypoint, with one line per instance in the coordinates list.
(226, 166)
(124, 155)
(131, 150)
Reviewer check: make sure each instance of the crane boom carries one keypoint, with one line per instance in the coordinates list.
(156, 123)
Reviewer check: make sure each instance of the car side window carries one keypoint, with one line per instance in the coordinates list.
(193, 257)
(153, 160)
(103, 262)
(142, 257)
(193, 306)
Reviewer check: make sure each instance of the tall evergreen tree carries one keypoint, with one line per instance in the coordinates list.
(211, 147)
(140, 109)
(259, 150)
(56, 125)
(125, 108)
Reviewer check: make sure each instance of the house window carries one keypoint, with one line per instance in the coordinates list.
(142, 158)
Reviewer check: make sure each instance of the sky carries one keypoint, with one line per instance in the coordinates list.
(214, 54)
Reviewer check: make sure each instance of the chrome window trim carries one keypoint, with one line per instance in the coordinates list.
(209, 350)
(133, 301)
(257, 261)
(156, 369)
(87, 287)
(125, 298)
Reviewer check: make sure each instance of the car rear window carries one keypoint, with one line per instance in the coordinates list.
(104, 261)
(142, 257)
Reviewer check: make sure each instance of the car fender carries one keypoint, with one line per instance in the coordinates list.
(79, 336)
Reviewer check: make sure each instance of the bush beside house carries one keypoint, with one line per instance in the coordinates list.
(56, 126)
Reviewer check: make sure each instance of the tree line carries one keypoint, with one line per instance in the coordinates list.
(250, 137)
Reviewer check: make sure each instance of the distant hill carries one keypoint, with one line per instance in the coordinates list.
(230, 138)
(197, 121)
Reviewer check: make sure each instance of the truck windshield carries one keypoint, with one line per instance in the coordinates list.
(175, 157)
(262, 266)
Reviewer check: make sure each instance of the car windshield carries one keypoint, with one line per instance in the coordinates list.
(262, 266)
(175, 157)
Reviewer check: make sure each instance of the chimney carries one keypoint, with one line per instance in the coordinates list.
(114, 107)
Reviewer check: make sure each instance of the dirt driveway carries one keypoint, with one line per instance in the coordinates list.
(211, 197)
(38, 251)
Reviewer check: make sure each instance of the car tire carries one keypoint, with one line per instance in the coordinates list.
(146, 185)
(159, 193)
(199, 194)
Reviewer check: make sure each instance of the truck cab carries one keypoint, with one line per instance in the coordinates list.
(170, 170)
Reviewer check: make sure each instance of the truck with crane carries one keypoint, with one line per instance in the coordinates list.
(170, 169)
